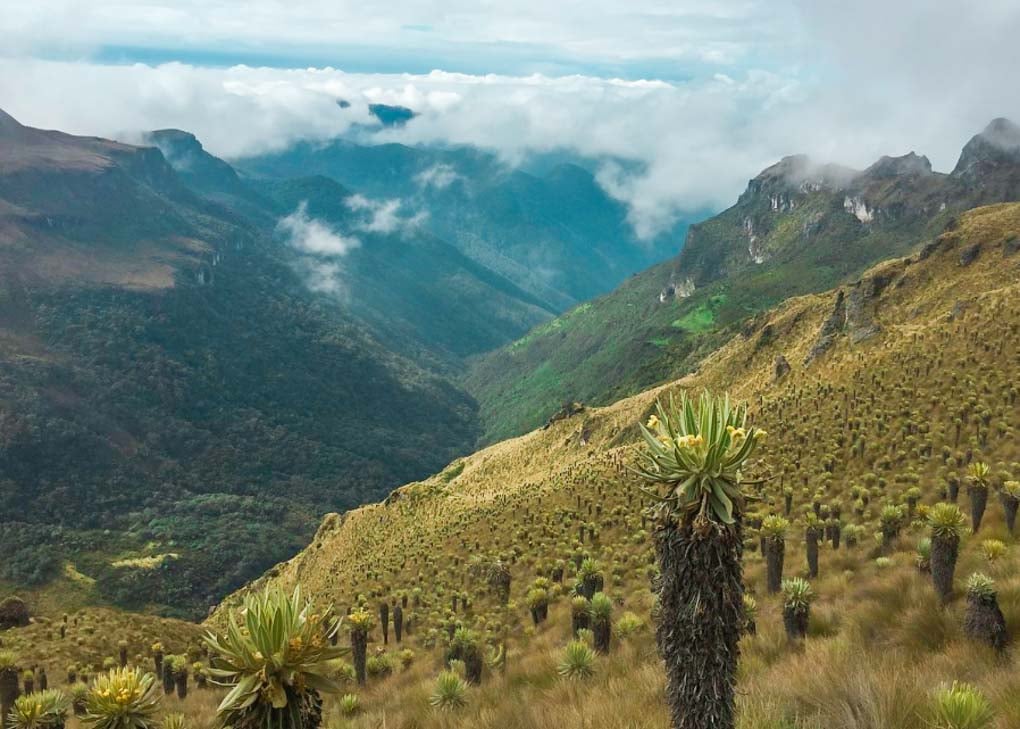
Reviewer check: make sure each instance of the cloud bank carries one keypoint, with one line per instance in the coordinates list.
(850, 83)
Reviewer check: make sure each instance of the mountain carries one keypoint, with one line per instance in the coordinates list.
(409, 285)
(798, 227)
(888, 420)
(176, 405)
(557, 235)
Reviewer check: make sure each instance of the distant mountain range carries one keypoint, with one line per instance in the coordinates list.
(195, 361)
(800, 226)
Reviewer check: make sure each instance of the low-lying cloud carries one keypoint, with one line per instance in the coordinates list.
(385, 216)
(925, 78)
(321, 249)
(312, 236)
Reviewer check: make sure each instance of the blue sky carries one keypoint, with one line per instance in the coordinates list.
(701, 94)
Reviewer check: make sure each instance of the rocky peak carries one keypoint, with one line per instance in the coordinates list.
(794, 174)
(8, 124)
(998, 144)
(188, 158)
(908, 165)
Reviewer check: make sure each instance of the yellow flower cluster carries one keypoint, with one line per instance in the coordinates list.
(653, 422)
(689, 441)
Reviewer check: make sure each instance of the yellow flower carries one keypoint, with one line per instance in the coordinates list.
(760, 434)
(653, 421)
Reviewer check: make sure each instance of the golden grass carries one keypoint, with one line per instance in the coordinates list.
(878, 643)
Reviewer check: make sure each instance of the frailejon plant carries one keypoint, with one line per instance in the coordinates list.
(275, 658)
(797, 599)
(993, 549)
(40, 710)
(983, 620)
(977, 474)
(750, 615)
(945, 522)
(960, 706)
(578, 661)
(360, 622)
(124, 698)
(1010, 498)
(601, 621)
(9, 683)
(450, 692)
(693, 454)
(923, 556)
(773, 533)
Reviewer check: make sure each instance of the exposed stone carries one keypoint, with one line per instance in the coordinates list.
(13, 613)
(781, 368)
(831, 328)
(969, 254)
(676, 290)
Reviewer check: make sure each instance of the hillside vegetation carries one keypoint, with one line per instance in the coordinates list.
(176, 408)
(799, 227)
(879, 398)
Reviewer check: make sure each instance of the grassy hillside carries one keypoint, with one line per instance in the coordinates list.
(897, 381)
(799, 227)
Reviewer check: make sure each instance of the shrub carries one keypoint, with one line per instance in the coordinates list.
(960, 706)
(349, 704)
(124, 698)
(450, 692)
(379, 666)
(993, 549)
(628, 625)
(174, 720)
(578, 661)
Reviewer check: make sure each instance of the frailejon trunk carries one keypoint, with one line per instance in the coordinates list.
(384, 620)
(603, 632)
(1009, 505)
(811, 537)
(775, 550)
(579, 621)
(978, 502)
(796, 623)
(943, 564)
(398, 623)
(700, 620)
(9, 690)
(473, 667)
(984, 622)
(359, 647)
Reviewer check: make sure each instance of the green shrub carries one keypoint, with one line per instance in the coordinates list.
(578, 661)
(960, 706)
(450, 692)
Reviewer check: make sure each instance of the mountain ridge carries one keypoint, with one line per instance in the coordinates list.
(798, 226)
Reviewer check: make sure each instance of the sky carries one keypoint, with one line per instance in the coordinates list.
(701, 94)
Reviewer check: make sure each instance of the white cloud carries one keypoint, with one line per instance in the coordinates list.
(321, 248)
(385, 216)
(439, 176)
(769, 80)
(308, 235)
